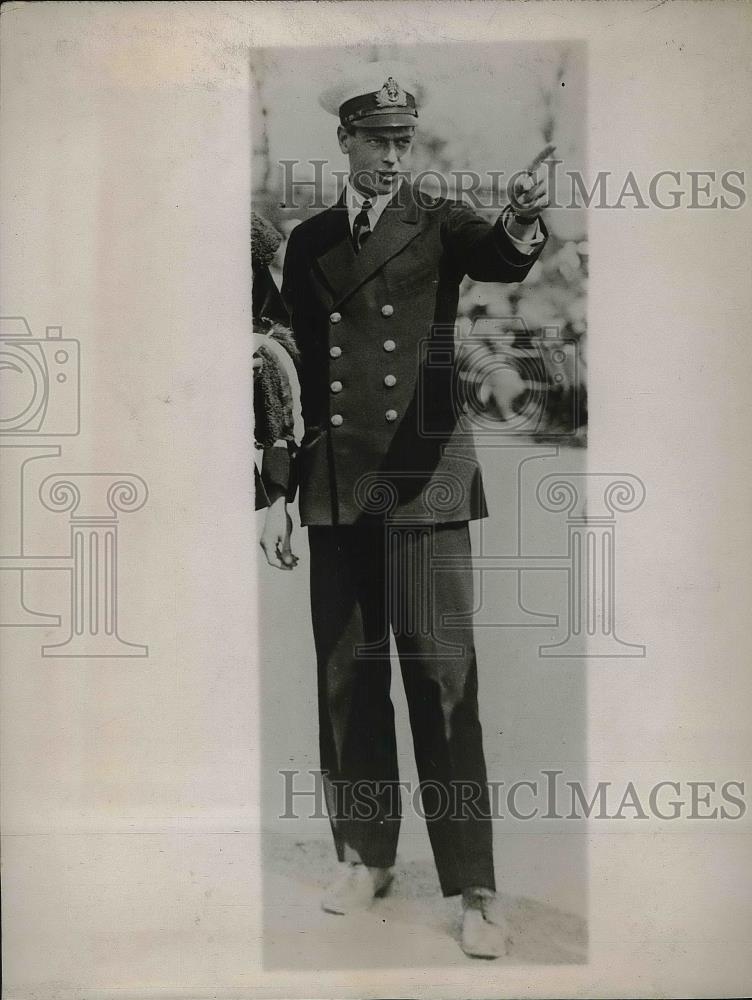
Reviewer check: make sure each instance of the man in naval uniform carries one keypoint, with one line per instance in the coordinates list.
(388, 480)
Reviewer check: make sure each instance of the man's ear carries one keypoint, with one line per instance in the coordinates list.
(344, 139)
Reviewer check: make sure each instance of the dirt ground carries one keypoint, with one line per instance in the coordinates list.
(412, 926)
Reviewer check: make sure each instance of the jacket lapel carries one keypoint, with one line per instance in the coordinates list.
(344, 270)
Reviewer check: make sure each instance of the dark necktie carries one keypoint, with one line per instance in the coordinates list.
(361, 226)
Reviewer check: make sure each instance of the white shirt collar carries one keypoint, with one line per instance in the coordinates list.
(354, 201)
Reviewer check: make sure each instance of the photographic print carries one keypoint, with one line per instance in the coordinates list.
(434, 327)
(374, 546)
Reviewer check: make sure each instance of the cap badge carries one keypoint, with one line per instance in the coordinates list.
(391, 95)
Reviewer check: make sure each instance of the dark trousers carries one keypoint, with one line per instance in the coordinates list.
(366, 580)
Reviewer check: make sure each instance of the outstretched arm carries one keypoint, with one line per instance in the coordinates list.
(506, 250)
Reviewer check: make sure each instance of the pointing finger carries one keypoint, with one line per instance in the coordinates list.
(543, 155)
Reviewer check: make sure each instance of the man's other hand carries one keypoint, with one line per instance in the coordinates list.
(275, 537)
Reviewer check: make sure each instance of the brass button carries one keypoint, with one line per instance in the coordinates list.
(336, 386)
(390, 380)
(335, 317)
(334, 352)
(391, 416)
(336, 420)
(387, 310)
(389, 345)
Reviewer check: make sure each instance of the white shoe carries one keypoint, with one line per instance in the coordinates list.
(485, 931)
(355, 887)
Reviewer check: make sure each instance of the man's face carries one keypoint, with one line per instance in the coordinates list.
(377, 156)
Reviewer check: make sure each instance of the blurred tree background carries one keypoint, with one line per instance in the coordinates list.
(487, 109)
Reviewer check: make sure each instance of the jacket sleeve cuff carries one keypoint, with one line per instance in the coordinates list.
(518, 253)
(525, 246)
(276, 472)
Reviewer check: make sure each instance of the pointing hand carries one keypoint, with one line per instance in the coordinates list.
(529, 194)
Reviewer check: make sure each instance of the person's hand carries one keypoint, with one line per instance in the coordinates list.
(258, 364)
(529, 195)
(275, 537)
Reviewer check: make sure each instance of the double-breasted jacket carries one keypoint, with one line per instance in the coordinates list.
(375, 330)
